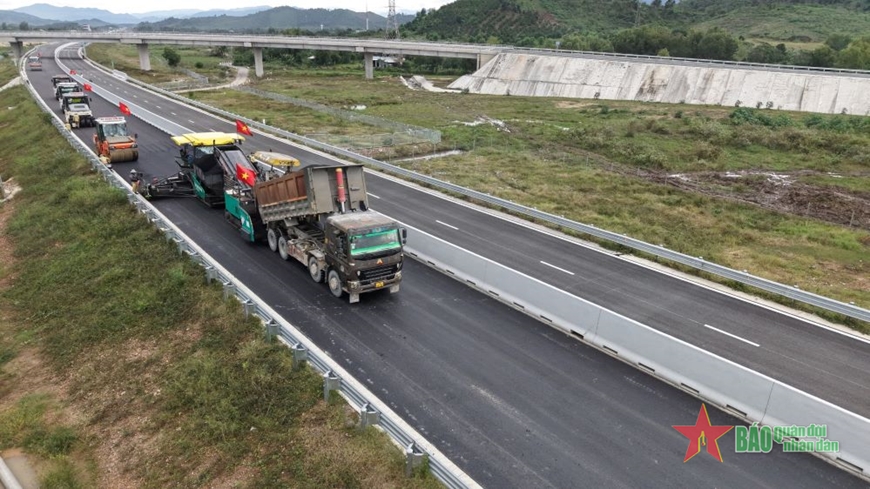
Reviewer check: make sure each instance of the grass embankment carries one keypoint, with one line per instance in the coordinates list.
(8, 70)
(612, 164)
(119, 367)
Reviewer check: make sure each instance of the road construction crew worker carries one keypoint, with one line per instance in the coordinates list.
(134, 180)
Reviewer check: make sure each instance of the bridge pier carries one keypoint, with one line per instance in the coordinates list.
(369, 63)
(144, 57)
(17, 50)
(258, 62)
(483, 59)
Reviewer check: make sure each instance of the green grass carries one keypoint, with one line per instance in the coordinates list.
(167, 375)
(8, 70)
(126, 58)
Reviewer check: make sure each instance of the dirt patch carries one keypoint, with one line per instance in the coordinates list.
(781, 192)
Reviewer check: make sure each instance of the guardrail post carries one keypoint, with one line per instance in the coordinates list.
(210, 273)
(300, 355)
(368, 416)
(229, 287)
(330, 383)
(271, 329)
(413, 458)
(2, 189)
(249, 307)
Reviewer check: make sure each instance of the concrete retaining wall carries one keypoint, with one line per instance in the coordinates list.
(608, 79)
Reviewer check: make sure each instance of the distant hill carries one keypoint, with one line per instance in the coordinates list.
(277, 18)
(76, 14)
(16, 18)
(511, 20)
(784, 21)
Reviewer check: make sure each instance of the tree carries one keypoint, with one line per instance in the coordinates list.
(717, 44)
(838, 42)
(23, 26)
(856, 56)
(171, 56)
(823, 57)
(765, 53)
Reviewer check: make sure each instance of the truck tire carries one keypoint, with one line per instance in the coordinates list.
(315, 271)
(272, 238)
(334, 283)
(282, 248)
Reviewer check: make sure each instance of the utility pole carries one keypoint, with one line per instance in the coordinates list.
(637, 13)
(367, 15)
(392, 22)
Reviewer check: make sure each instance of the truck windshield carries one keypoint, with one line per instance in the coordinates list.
(375, 241)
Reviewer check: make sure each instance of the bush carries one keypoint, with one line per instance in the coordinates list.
(745, 115)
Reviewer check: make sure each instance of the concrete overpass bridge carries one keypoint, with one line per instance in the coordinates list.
(368, 47)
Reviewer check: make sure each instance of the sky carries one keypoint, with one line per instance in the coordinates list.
(377, 6)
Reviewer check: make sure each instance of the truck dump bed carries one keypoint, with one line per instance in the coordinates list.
(309, 192)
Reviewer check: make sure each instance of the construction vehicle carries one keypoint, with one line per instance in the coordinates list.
(113, 142)
(65, 87)
(34, 64)
(317, 214)
(55, 79)
(77, 110)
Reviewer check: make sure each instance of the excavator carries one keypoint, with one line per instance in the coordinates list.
(113, 142)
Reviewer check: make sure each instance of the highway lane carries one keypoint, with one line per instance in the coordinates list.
(513, 402)
(824, 363)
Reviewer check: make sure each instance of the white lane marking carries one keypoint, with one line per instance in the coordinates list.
(448, 225)
(557, 268)
(173, 113)
(732, 335)
(135, 96)
(190, 121)
(373, 195)
(157, 106)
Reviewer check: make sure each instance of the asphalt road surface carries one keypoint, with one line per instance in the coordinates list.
(824, 363)
(511, 401)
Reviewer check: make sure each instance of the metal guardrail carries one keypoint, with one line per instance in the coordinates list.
(336, 377)
(698, 263)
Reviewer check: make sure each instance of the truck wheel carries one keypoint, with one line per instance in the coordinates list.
(314, 270)
(334, 283)
(272, 238)
(282, 248)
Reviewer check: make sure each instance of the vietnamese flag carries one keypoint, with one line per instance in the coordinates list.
(243, 128)
(124, 109)
(246, 175)
(72, 72)
(88, 87)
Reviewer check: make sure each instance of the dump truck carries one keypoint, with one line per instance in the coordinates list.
(65, 87)
(77, 110)
(318, 214)
(113, 142)
(34, 63)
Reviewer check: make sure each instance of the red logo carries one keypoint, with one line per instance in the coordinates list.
(702, 433)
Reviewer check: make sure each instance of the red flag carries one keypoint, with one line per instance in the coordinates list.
(124, 109)
(88, 87)
(243, 128)
(246, 175)
(72, 72)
